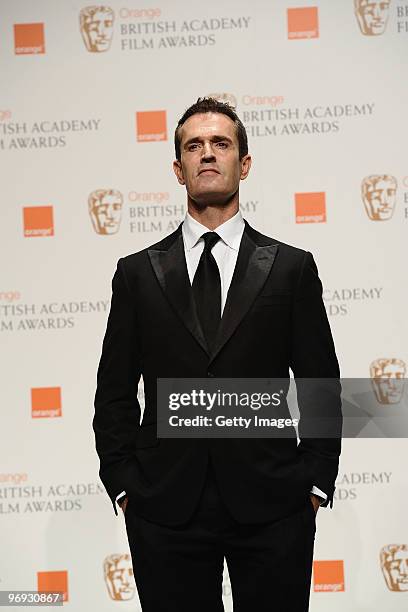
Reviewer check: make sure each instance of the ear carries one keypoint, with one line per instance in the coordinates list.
(246, 162)
(178, 171)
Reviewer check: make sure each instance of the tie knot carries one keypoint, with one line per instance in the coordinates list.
(210, 239)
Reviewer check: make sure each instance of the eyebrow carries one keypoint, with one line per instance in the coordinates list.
(215, 138)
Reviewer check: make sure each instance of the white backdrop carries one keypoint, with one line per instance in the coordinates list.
(90, 105)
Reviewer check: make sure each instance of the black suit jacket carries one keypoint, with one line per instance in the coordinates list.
(274, 319)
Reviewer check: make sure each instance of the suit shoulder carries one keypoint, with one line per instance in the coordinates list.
(285, 249)
(292, 250)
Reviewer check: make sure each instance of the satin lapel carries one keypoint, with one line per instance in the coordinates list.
(252, 268)
(171, 270)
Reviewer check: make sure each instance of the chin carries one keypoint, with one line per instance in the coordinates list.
(211, 199)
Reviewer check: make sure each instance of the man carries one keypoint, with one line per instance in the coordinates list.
(189, 503)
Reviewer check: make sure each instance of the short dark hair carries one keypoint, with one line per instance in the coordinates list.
(212, 105)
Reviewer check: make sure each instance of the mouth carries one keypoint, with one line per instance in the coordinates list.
(208, 170)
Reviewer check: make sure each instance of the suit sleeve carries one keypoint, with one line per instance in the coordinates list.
(117, 411)
(316, 371)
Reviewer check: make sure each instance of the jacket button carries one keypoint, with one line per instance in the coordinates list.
(210, 375)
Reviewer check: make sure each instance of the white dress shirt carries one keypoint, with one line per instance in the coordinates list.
(225, 253)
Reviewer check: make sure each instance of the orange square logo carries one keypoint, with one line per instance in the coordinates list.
(29, 38)
(151, 126)
(53, 582)
(46, 402)
(303, 22)
(38, 221)
(328, 576)
(310, 207)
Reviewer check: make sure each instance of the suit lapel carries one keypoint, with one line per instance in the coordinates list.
(169, 265)
(254, 262)
(253, 265)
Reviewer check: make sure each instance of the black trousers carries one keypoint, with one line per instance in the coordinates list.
(180, 568)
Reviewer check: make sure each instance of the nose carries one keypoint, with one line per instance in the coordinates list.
(207, 153)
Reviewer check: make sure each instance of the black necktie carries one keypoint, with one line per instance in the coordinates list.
(207, 290)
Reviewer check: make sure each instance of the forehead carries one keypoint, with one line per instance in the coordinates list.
(206, 125)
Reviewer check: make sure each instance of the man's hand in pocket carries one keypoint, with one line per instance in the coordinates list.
(315, 501)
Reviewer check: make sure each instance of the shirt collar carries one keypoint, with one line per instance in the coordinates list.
(230, 231)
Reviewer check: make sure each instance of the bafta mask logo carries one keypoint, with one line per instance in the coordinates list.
(105, 210)
(118, 573)
(224, 97)
(388, 380)
(394, 565)
(372, 16)
(96, 23)
(379, 196)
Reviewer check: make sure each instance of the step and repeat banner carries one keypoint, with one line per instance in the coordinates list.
(90, 99)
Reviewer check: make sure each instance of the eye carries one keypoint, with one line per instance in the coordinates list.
(222, 145)
(193, 146)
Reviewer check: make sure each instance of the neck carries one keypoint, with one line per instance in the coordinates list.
(213, 215)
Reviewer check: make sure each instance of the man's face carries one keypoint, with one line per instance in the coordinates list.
(98, 30)
(395, 569)
(372, 16)
(379, 199)
(106, 214)
(210, 167)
